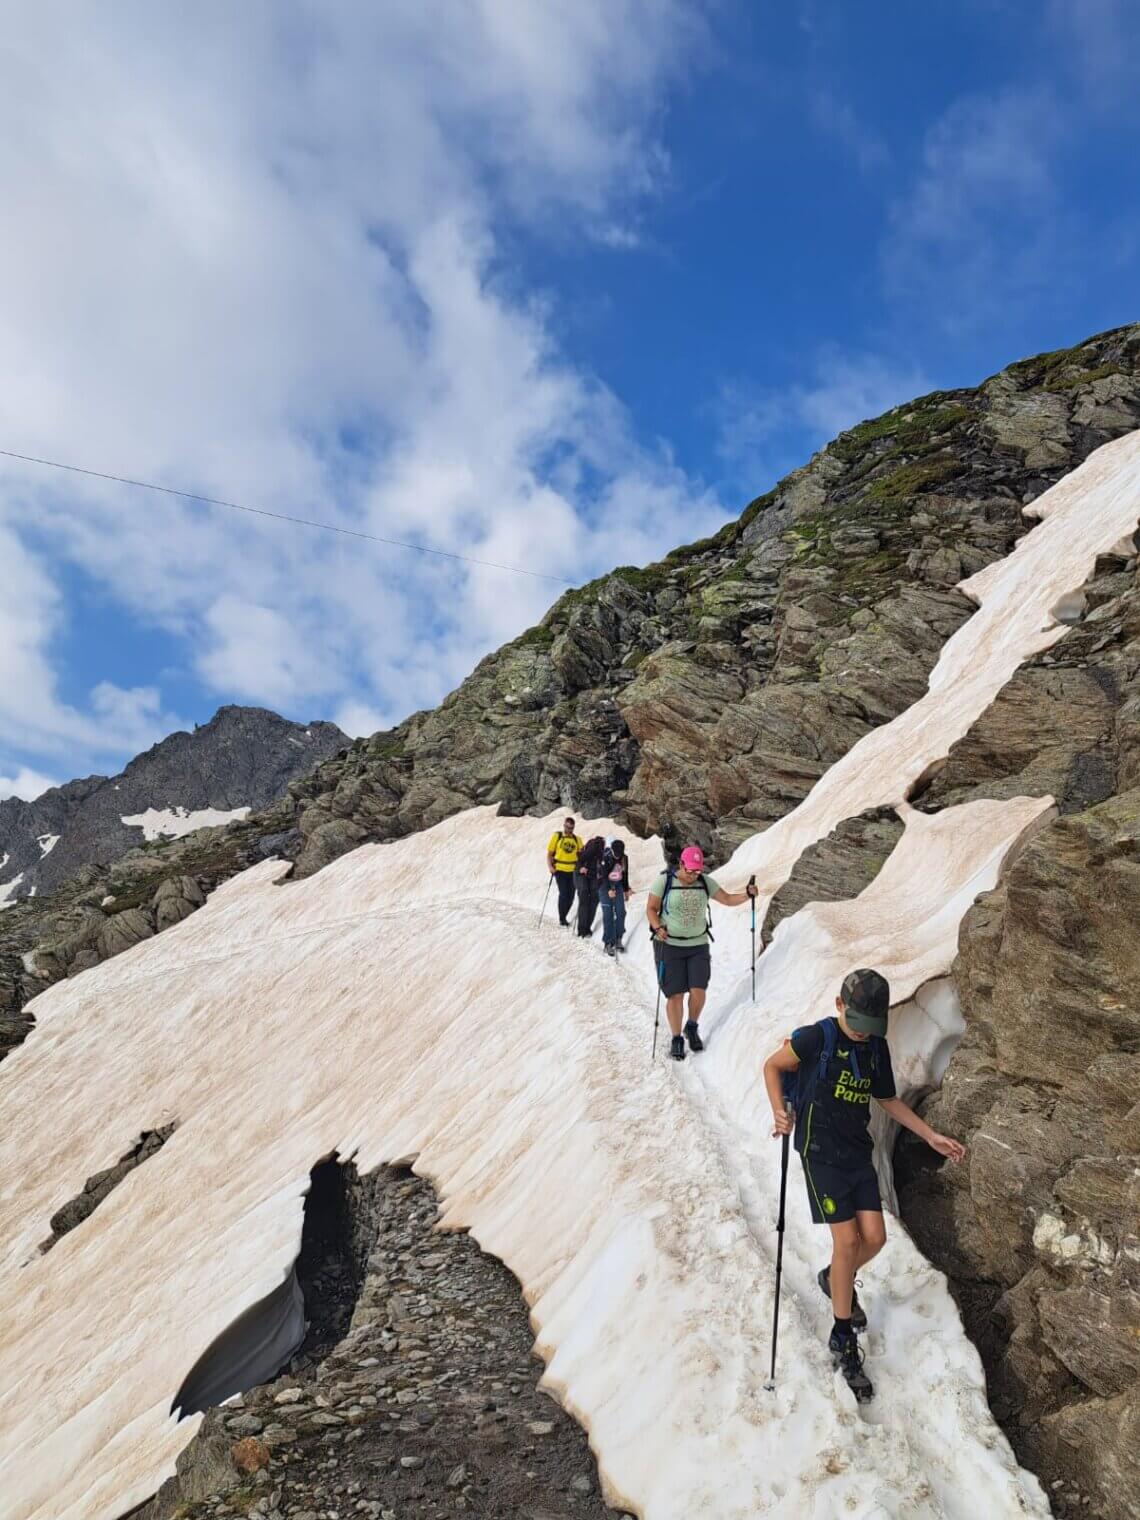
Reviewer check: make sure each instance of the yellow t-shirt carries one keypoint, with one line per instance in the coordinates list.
(564, 848)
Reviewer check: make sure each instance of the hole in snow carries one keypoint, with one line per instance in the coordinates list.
(307, 1314)
(925, 779)
(96, 1188)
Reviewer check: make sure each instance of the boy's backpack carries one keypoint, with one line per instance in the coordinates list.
(798, 1086)
(670, 875)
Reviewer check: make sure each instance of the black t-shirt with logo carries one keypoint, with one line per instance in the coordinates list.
(834, 1127)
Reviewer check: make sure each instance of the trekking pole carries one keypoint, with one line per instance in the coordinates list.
(752, 883)
(549, 884)
(770, 1385)
(657, 1011)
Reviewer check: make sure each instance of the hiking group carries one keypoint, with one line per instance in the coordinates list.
(597, 872)
(820, 1082)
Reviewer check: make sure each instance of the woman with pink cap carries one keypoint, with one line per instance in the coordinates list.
(678, 914)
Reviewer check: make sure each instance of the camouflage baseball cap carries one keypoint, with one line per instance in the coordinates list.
(866, 997)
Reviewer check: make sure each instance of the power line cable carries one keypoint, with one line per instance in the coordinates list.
(304, 522)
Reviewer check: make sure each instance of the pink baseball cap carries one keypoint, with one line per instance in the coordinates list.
(693, 858)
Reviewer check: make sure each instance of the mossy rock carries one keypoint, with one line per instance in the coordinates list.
(913, 479)
(538, 637)
(754, 508)
(1082, 377)
(910, 427)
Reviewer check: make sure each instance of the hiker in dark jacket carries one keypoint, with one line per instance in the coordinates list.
(847, 1063)
(615, 893)
(589, 864)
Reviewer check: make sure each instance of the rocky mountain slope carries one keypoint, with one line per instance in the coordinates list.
(244, 758)
(702, 696)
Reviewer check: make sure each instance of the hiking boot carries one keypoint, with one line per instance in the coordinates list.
(620, 947)
(677, 1048)
(848, 1357)
(858, 1316)
(611, 950)
(693, 1035)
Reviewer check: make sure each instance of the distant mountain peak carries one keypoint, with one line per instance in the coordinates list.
(243, 758)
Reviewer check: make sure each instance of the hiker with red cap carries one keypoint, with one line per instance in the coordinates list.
(679, 918)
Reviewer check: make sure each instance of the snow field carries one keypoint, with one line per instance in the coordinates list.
(279, 1024)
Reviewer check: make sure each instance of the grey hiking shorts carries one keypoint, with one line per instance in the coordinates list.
(683, 968)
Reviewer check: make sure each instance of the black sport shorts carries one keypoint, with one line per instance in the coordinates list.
(683, 968)
(837, 1193)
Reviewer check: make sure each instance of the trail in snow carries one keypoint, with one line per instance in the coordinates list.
(279, 1025)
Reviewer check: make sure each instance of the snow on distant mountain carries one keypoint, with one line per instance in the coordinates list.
(172, 823)
(243, 758)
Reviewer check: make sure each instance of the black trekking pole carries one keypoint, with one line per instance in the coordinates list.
(549, 884)
(657, 1011)
(752, 883)
(771, 1383)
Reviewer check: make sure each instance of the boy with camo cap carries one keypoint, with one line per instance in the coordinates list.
(838, 1065)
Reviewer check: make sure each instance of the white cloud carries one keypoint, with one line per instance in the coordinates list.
(358, 720)
(980, 226)
(1101, 38)
(261, 257)
(837, 119)
(763, 433)
(33, 717)
(26, 783)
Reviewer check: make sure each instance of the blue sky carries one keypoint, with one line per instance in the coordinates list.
(561, 286)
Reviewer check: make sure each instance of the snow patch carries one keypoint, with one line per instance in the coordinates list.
(8, 887)
(172, 823)
(47, 843)
(1071, 1247)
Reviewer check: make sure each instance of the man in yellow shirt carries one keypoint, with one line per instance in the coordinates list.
(561, 860)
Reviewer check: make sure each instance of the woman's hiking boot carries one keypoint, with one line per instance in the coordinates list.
(847, 1355)
(677, 1048)
(858, 1316)
(693, 1035)
(611, 949)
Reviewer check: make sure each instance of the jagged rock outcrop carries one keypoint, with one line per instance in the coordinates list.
(838, 867)
(1041, 1232)
(245, 757)
(1044, 1223)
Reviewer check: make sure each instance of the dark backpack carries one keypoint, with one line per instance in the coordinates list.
(670, 874)
(798, 1086)
(590, 857)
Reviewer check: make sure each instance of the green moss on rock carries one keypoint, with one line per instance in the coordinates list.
(913, 479)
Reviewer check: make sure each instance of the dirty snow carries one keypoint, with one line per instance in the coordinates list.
(635, 1202)
(8, 887)
(47, 843)
(172, 823)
